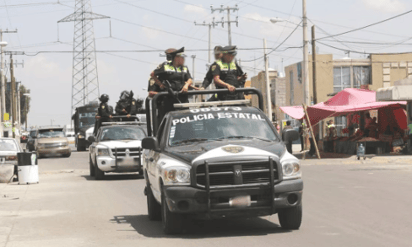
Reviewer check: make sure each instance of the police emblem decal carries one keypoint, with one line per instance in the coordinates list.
(213, 67)
(233, 149)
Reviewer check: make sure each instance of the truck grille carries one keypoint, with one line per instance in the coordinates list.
(236, 173)
(54, 145)
(122, 152)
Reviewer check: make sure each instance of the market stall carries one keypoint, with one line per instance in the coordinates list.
(378, 134)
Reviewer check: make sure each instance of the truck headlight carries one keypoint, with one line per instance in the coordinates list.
(176, 176)
(291, 169)
(103, 152)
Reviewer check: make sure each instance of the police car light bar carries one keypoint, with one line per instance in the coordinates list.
(213, 103)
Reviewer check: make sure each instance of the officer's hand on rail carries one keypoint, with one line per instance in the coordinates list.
(231, 88)
(97, 117)
(185, 89)
(128, 115)
(110, 116)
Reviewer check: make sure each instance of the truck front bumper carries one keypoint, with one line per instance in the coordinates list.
(189, 200)
(111, 164)
(65, 150)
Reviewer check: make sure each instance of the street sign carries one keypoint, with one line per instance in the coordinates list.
(6, 117)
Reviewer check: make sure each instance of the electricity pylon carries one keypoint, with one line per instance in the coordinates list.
(85, 81)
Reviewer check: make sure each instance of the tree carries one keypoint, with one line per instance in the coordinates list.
(24, 103)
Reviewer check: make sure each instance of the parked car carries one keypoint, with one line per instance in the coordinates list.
(51, 141)
(31, 141)
(24, 137)
(116, 148)
(9, 148)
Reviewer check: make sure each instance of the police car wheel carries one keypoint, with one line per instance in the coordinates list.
(91, 167)
(291, 218)
(99, 174)
(172, 223)
(154, 210)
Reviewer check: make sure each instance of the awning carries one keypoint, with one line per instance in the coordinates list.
(347, 101)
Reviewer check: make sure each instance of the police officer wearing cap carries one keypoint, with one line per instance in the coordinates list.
(152, 87)
(178, 76)
(209, 75)
(228, 74)
(104, 113)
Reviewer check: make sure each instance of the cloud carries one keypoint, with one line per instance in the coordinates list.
(196, 9)
(388, 6)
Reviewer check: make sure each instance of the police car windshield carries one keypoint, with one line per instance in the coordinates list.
(119, 133)
(217, 124)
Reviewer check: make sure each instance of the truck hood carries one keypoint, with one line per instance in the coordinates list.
(121, 144)
(203, 150)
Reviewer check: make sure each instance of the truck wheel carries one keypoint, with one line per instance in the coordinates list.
(153, 207)
(91, 167)
(99, 174)
(172, 223)
(68, 155)
(291, 218)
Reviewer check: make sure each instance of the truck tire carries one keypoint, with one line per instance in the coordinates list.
(67, 155)
(91, 167)
(98, 174)
(291, 218)
(172, 223)
(154, 209)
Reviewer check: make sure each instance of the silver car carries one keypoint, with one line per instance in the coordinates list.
(8, 158)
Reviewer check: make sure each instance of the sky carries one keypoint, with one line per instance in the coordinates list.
(142, 28)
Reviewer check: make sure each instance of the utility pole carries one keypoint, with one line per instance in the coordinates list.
(268, 96)
(210, 25)
(228, 9)
(3, 83)
(315, 97)
(193, 66)
(13, 97)
(305, 55)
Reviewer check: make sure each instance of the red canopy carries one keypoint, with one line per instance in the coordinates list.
(347, 101)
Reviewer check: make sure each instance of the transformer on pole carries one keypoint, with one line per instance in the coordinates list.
(85, 82)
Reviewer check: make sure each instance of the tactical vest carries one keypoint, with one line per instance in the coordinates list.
(176, 76)
(228, 72)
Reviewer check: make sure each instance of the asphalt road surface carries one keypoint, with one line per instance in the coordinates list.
(345, 202)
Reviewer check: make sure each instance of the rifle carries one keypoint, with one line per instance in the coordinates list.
(168, 86)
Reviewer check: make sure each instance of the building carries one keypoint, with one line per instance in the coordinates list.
(334, 75)
(277, 91)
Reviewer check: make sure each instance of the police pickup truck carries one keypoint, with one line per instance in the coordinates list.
(116, 148)
(219, 160)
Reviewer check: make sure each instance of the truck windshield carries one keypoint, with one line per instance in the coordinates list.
(122, 133)
(51, 133)
(210, 126)
(87, 119)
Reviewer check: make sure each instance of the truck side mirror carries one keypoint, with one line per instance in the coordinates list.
(150, 143)
(290, 135)
(91, 139)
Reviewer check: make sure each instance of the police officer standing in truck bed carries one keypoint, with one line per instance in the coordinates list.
(228, 74)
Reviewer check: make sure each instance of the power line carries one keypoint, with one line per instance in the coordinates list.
(370, 25)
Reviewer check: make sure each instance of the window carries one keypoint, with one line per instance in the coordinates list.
(361, 76)
(341, 123)
(341, 78)
(292, 92)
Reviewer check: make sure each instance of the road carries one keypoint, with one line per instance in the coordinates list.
(346, 203)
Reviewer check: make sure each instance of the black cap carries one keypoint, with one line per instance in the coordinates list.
(230, 49)
(180, 52)
(218, 49)
(167, 52)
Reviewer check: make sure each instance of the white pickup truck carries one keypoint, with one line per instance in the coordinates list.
(116, 148)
